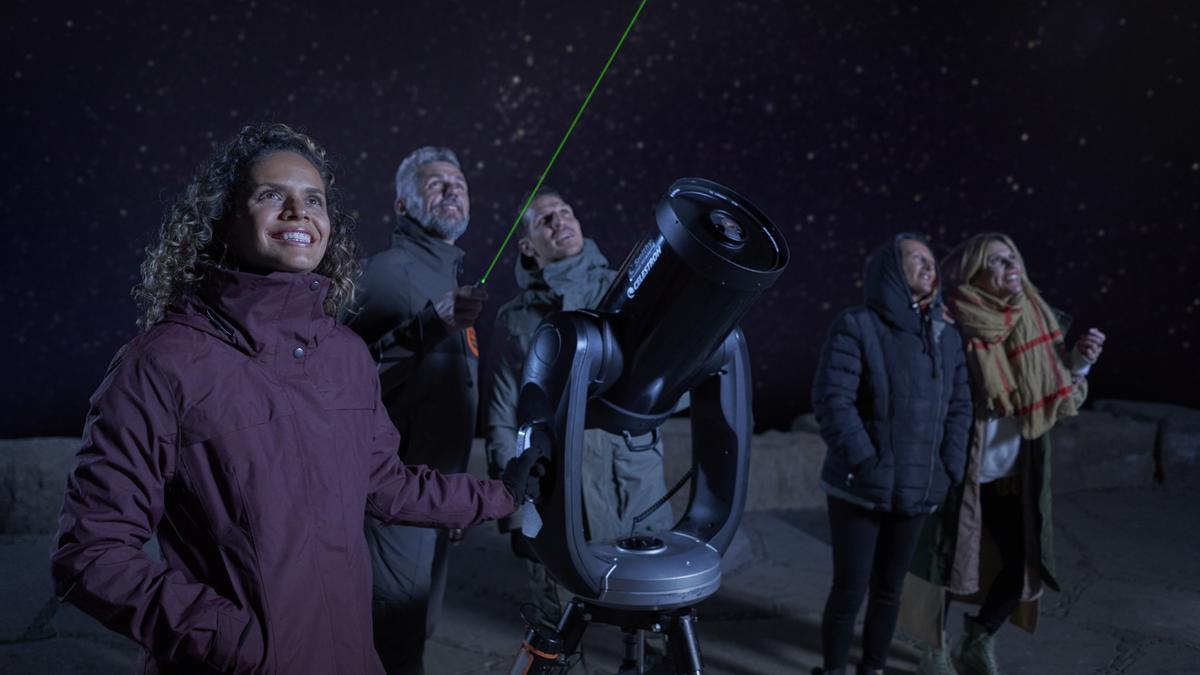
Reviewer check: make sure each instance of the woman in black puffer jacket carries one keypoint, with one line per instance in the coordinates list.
(893, 403)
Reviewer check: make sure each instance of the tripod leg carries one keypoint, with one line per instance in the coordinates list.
(630, 664)
(546, 650)
(572, 624)
(685, 646)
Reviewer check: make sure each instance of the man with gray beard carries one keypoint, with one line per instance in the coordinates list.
(418, 321)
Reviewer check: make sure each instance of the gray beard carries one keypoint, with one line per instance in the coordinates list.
(442, 228)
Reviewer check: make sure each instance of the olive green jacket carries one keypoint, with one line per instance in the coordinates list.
(617, 483)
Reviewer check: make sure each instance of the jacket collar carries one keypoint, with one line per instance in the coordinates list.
(562, 276)
(256, 312)
(411, 236)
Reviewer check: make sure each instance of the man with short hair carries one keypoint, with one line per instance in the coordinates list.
(559, 269)
(418, 322)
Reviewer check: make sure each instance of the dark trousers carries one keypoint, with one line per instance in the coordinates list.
(871, 551)
(408, 567)
(1003, 518)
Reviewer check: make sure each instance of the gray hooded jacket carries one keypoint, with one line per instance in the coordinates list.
(618, 484)
(578, 282)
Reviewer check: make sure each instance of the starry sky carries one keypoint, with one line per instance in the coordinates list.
(1069, 125)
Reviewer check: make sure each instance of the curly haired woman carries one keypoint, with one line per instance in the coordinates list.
(1023, 380)
(243, 427)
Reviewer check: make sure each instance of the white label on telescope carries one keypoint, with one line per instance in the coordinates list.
(642, 264)
(531, 520)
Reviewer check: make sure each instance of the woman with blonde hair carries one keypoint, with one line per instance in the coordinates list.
(1023, 381)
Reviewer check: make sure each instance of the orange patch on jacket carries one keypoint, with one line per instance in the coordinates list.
(473, 341)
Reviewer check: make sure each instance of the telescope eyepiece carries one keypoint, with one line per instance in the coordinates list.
(727, 229)
(640, 544)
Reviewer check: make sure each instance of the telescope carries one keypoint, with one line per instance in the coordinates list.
(668, 326)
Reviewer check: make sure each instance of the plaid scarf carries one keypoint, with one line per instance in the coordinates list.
(1012, 352)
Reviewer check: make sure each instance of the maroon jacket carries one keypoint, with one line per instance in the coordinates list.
(246, 430)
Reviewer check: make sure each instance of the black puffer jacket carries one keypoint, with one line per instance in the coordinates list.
(891, 397)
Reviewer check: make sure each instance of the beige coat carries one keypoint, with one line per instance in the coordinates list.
(957, 556)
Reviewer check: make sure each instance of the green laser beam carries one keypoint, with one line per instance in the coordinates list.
(533, 193)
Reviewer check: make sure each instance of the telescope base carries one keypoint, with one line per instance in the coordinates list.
(678, 625)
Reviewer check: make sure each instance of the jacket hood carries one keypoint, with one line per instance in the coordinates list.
(254, 311)
(562, 275)
(887, 290)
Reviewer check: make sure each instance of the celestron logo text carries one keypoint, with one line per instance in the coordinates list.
(641, 267)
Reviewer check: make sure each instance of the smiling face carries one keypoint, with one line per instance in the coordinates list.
(553, 233)
(281, 223)
(920, 269)
(442, 203)
(1001, 273)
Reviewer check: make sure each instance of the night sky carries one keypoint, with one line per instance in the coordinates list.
(1071, 126)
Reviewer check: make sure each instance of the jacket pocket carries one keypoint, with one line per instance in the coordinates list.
(247, 452)
(873, 479)
(346, 467)
(873, 428)
(249, 405)
(235, 433)
(237, 645)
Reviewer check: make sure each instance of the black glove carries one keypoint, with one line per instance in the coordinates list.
(523, 473)
(521, 547)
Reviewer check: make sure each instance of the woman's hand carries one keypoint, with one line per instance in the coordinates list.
(1090, 345)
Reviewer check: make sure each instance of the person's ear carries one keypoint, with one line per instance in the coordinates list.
(525, 247)
(400, 206)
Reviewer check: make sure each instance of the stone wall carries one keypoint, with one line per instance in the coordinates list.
(1177, 434)
(33, 477)
(1115, 444)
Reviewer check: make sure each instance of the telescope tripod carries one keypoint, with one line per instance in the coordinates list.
(546, 651)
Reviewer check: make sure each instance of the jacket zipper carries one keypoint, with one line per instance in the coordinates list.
(933, 446)
(219, 323)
